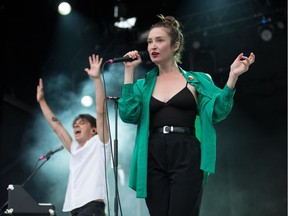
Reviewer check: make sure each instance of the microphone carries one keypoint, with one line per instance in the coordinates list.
(50, 153)
(113, 98)
(144, 56)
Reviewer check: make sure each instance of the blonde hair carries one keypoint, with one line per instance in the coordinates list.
(175, 33)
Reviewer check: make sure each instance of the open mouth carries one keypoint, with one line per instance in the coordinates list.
(76, 132)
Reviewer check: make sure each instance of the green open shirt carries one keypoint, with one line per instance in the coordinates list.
(214, 104)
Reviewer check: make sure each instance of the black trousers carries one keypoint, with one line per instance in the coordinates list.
(175, 181)
(93, 208)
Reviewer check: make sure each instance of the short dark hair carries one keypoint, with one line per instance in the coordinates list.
(91, 119)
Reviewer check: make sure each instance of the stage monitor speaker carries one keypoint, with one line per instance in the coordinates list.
(20, 203)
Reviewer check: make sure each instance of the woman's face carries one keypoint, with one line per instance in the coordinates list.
(159, 45)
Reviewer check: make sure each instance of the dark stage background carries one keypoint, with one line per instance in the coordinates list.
(251, 172)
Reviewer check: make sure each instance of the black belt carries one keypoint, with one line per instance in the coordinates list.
(172, 129)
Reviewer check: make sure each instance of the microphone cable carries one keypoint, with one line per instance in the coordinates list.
(115, 171)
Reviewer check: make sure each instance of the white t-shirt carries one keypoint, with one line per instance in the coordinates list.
(87, 180)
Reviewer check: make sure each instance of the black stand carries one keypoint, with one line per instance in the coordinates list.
(34, 172)
(116, 199)
(117, 203)
(22, 204)
(26, 196)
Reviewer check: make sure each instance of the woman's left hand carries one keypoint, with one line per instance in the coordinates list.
(241, 64)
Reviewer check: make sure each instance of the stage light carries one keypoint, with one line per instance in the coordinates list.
(280, 25)
(126, 23)
(86, 101)
(266, 29)
(265, 20)
(266, 34)
(196, 44)
(64, 8)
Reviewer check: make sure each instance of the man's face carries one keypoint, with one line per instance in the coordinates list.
(82, 130)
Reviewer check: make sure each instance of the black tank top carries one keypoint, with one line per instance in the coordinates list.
(179, 111)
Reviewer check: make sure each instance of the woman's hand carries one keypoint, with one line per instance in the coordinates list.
(241, 64)
(136, 59)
